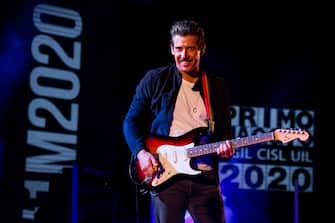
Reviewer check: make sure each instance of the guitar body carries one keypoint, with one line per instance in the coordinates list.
(171, 153)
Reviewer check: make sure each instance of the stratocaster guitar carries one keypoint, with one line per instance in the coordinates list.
(174, 153)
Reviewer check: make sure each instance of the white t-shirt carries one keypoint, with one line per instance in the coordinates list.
(190, 111)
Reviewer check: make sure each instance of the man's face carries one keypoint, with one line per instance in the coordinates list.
(186, 54)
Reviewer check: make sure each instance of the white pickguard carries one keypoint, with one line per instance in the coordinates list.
(174, 160)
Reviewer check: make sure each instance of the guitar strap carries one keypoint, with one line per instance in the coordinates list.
(205, 162)
(208, 104)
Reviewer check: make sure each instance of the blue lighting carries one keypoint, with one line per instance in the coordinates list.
(14, 59)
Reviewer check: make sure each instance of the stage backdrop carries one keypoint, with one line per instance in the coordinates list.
(68, 73)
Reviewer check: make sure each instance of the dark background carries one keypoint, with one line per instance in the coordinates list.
(270, 55)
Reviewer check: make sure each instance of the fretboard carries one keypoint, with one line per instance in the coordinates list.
(237, 143)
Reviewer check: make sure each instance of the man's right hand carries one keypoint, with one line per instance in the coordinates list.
(147, 163)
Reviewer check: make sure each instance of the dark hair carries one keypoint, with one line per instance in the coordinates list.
(188, 27)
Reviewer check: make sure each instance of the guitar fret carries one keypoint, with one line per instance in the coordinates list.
(249, 140)
(203, 149)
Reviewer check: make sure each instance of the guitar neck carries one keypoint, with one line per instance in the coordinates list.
(237, 142)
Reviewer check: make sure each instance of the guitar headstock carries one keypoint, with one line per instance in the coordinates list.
(287, 135)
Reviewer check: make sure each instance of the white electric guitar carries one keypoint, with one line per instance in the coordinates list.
(174, 153)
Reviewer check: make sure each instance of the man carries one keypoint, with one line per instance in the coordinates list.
(172, 102)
